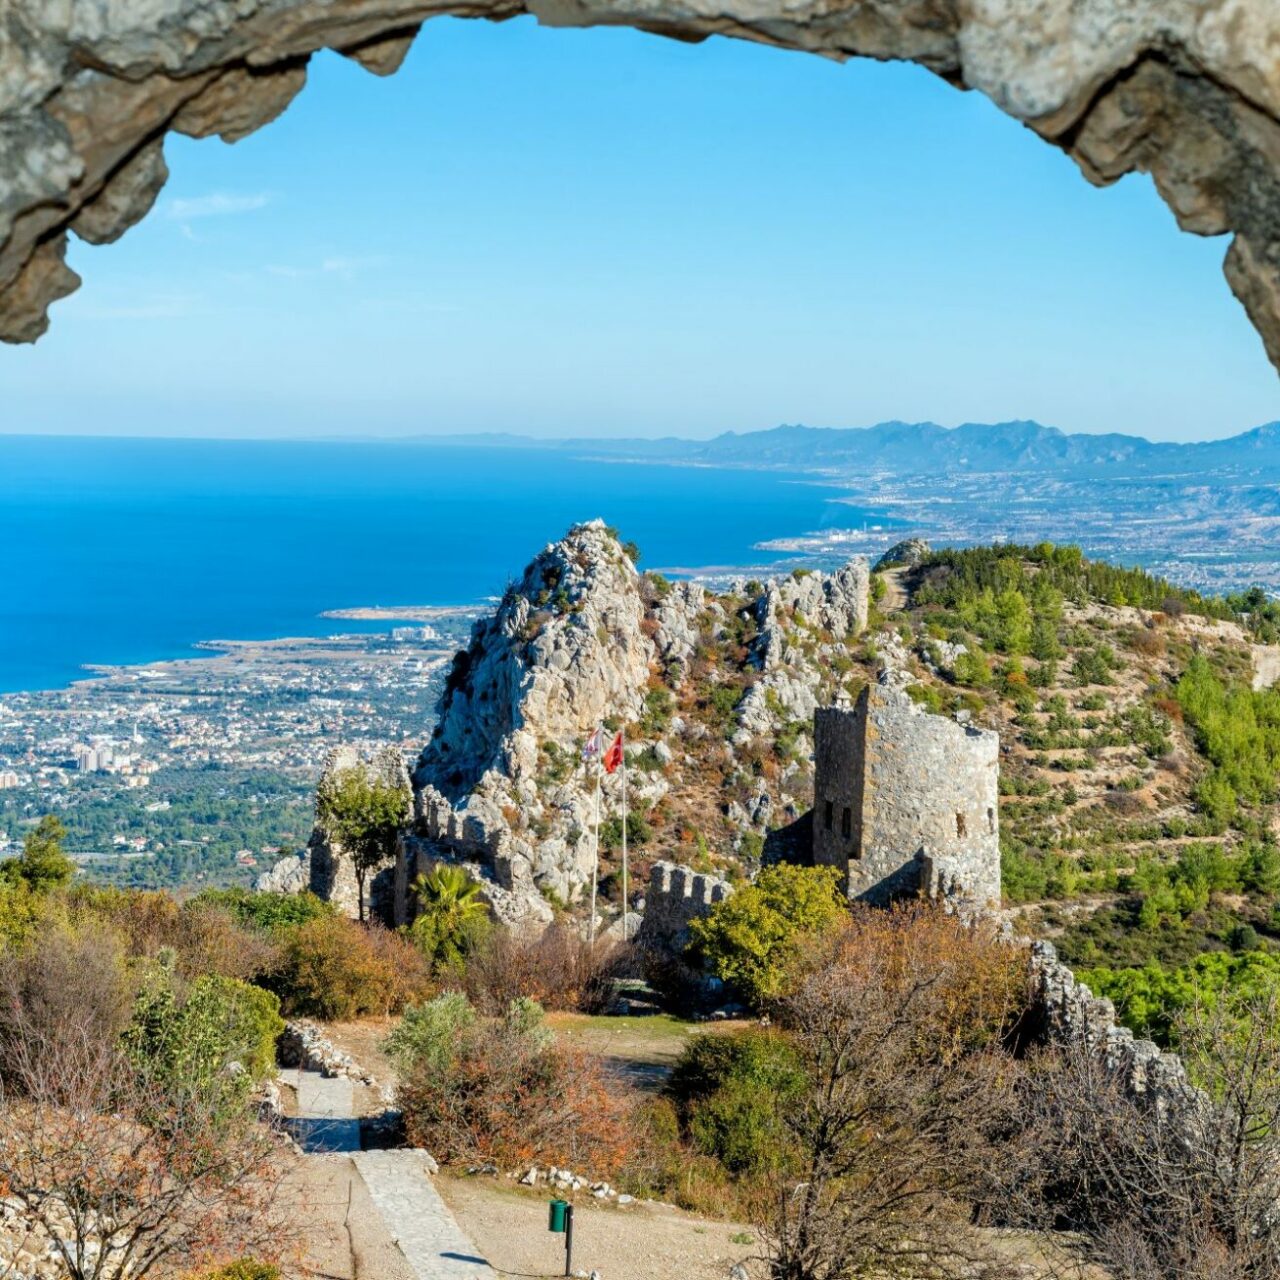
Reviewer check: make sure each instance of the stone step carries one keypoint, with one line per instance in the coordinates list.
(418, 1219)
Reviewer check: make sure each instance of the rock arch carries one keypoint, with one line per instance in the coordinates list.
(1185, 90)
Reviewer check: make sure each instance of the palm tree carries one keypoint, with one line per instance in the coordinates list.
(452, 917)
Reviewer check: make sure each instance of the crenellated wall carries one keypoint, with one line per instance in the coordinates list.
(677, 895)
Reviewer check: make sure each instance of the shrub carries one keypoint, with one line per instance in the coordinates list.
(185, 1038)
(271, 912)
(639, 832)
(730, 1092)
(559, 969)
(66, 996)
(21, 912)
(750, 938)
(508, 1092)
(336, 969)
(242, 1269)
(202, 934)
(427, 1033)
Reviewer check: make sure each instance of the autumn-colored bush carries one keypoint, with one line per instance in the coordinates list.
(505, 1090)
(337, 969)
(204, 935)
(966, 987)
(559, 969)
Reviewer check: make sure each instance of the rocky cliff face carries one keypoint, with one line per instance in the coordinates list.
(564, 651)
(694, 678)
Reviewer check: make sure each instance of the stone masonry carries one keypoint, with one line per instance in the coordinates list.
(676, 896)
(905, 801)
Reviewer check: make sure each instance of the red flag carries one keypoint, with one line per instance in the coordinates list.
(613, 757)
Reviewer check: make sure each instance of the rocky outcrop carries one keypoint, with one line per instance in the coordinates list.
(803, 621)
(332, 869)
(563, 652)
(906, 554)
(288, 875)
(1186, 90)
(501, 781)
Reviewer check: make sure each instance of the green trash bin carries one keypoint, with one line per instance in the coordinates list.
(557, 1212)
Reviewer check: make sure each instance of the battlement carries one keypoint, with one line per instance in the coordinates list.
(676, 896)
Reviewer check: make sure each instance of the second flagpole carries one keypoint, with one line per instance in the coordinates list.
(626, 931)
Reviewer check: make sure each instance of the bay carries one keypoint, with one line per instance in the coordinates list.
(118, 551)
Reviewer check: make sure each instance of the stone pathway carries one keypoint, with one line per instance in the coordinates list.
(324, 1122)
(418, 1223)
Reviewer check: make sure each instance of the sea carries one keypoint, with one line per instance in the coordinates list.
(124, 551)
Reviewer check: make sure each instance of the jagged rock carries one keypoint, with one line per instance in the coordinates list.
(676, 614)
(1185, 91)
(500, 787)
(288, 875)
(908, 553)
(564, 651)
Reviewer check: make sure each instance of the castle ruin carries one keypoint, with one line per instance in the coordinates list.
(906, 802)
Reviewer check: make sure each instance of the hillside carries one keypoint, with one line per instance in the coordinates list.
(1138, 760)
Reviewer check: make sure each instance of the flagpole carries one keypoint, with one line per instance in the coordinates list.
(595, 856)
(626, 931)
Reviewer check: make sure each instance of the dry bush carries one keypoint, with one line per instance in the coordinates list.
(1149, 643)
(1164, 1192)
(559, 969)
(909, 1110)
(63, 1005)
(507, 1091)
(336, 969)
(205, 937)
(968, 989)
(120, 1197)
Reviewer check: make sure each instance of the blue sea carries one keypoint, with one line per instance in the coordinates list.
(124, 551)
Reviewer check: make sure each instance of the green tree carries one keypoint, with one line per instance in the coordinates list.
(452, 917)
(363, 814)
(42, 865)
(187, 1038)
(750, 938)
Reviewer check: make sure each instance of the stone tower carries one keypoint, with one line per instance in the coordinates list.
(906, 801)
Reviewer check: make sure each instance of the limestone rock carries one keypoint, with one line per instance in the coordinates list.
(288, 875)
(908, 553)
(1185, 90)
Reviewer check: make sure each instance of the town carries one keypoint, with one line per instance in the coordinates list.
(199, 769)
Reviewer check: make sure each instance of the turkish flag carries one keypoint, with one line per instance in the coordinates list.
(613, 757)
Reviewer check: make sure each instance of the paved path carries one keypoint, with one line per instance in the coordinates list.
(324, 1122)
(418, 1220)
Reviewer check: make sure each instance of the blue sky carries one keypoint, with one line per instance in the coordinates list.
(603, 233)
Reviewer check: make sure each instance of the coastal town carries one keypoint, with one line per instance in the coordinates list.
(203, 768)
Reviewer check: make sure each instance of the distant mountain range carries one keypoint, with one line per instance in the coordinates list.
(924, 448)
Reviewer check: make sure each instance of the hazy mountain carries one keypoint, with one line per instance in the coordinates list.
(925, 447)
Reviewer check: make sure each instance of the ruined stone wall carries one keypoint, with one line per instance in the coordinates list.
(677, 895)
(906, 801)
(837, 786)
(1073, 1015)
